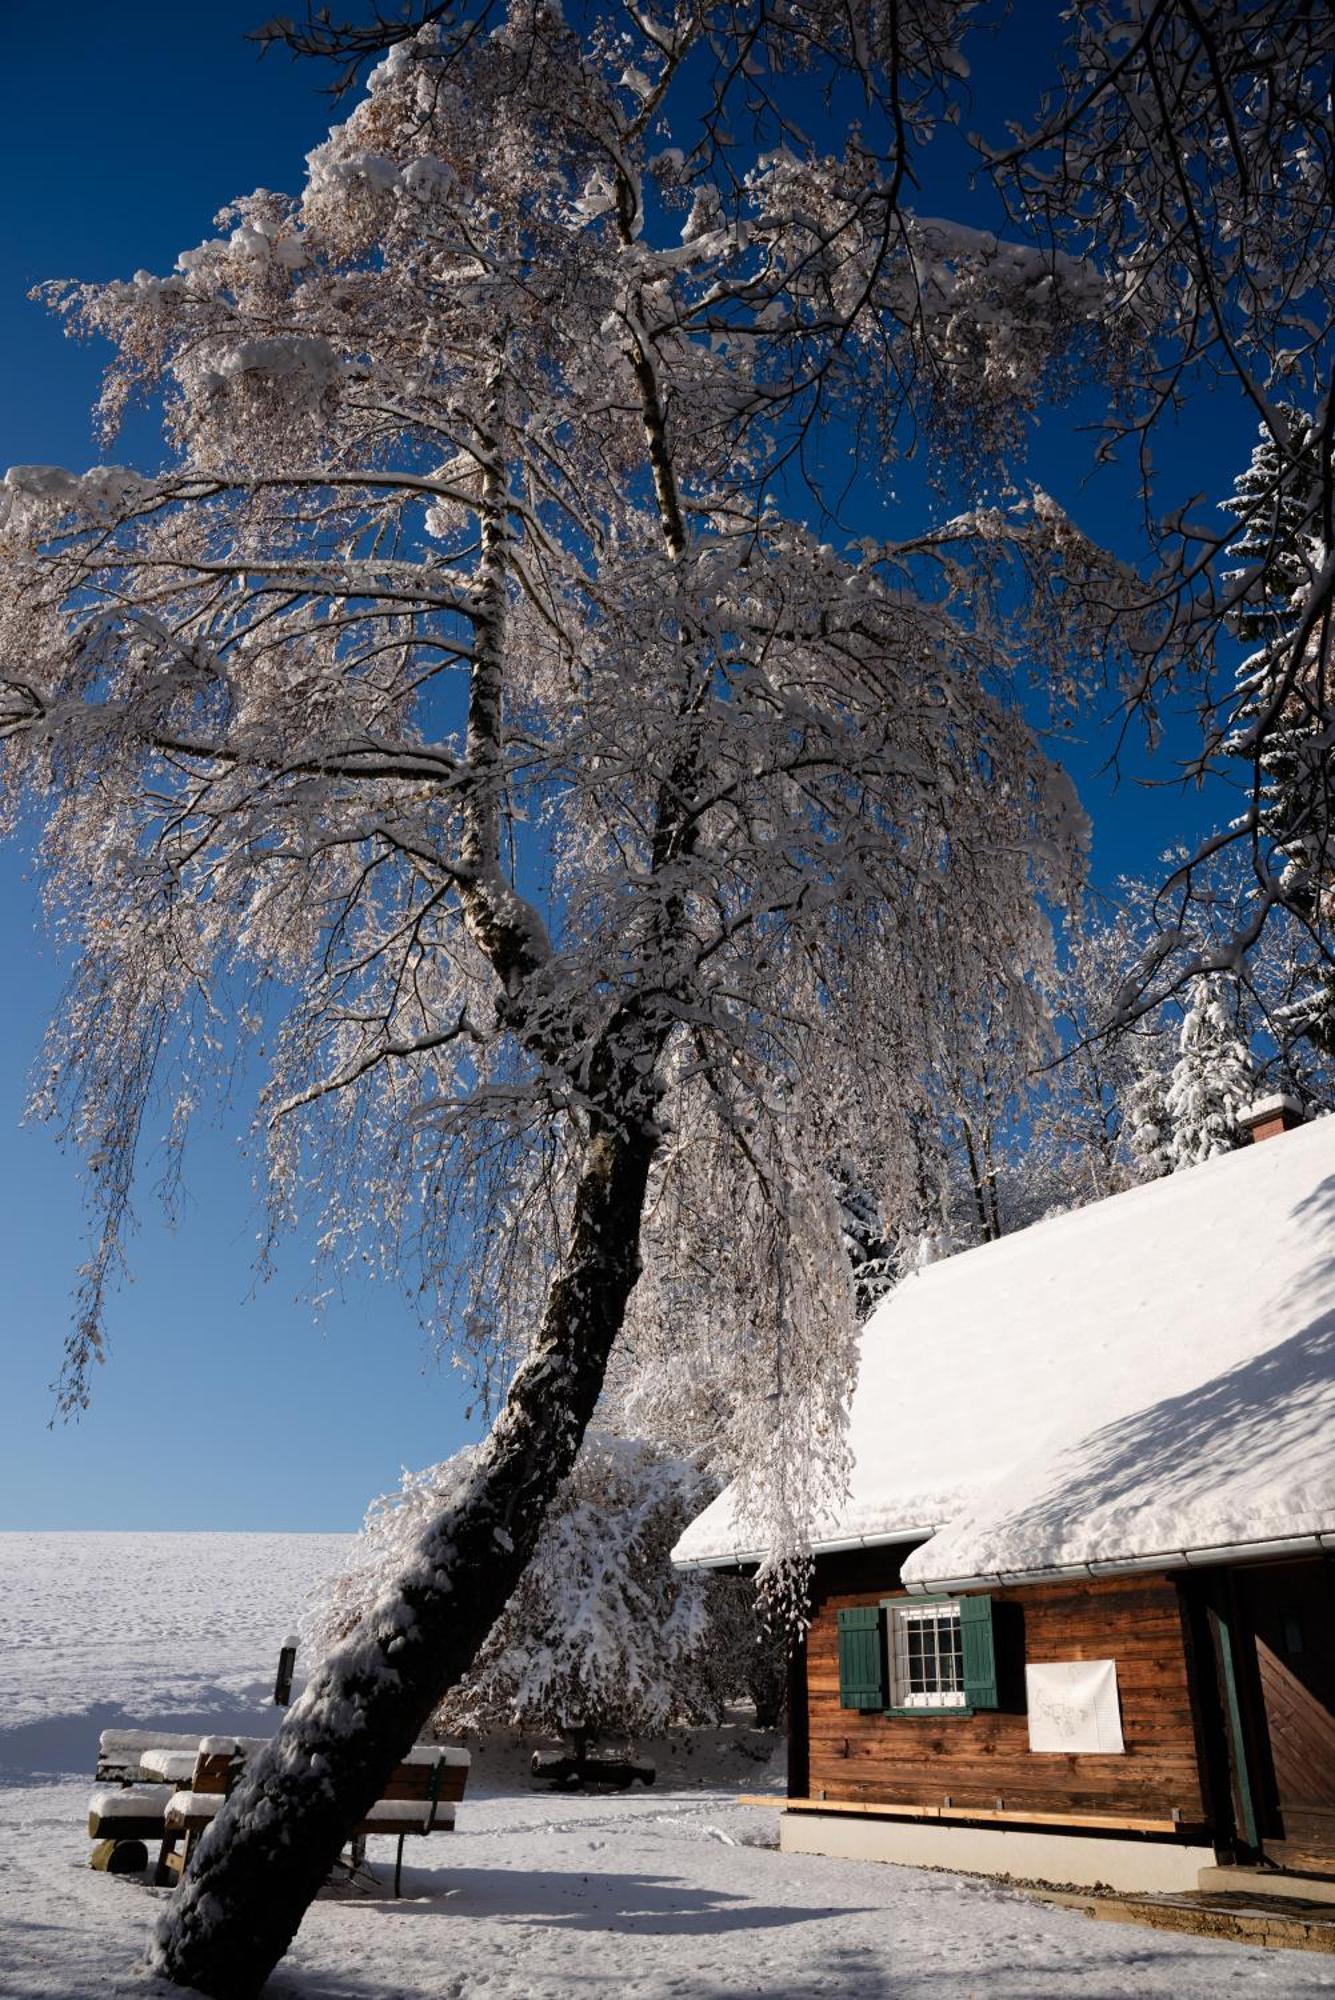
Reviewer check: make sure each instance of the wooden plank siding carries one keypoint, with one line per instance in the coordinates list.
(984, 1759)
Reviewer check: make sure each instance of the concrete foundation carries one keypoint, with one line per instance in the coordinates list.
(1087, 1859)
(1259, 1882)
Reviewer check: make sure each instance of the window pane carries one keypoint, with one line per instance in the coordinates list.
(928, 1656)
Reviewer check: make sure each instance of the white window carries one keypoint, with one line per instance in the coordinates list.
(926, 1656)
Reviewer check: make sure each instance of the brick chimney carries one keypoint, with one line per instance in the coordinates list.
(1270, 1116)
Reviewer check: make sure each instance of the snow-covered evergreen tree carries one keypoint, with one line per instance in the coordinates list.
(1282, 720)
(1213, 1079)
(1272, 501)
(863, 1235)
(1146, 1121)
(1277, 553)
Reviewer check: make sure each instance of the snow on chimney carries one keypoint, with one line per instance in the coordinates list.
(1270, 1116)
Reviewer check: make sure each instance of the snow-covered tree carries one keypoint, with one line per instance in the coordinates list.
(1030, 1123)
(1272, 501)
(460, 729)
(862, 1232)
(601, 1636)
(1281, 724)
(1279, 550)
(1148, 1123)
(1192, 145)
(1271, 988)
(1099, 1118)
(1213, 1080)
(1092, 1117)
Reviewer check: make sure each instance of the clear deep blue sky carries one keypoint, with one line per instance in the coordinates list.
(224, 1404)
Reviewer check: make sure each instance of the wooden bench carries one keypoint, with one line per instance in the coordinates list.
(420, 1798)
(131, 1802)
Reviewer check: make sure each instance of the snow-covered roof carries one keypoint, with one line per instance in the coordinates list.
(1143, 1382)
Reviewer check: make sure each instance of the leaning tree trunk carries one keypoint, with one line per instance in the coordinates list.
(258, 1867)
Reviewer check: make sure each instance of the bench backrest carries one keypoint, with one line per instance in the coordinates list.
(119, 1751)
(217, 1770)
(427, 1772)
(416, 1778)
(220, 1761)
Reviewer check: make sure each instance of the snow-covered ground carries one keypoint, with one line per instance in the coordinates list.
(98, 1631)
(675, 1891)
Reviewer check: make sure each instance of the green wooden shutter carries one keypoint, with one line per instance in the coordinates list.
(861, 1657)
(980, 1653)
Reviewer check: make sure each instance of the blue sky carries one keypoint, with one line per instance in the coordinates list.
(224, 1404)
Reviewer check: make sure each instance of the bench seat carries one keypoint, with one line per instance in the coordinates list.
(188, 1808)
(408, 1816)
(192, 1811)
(167, 1767)
(128, 1812)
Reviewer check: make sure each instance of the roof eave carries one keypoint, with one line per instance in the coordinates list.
(837, 1545)
(1320, 1543)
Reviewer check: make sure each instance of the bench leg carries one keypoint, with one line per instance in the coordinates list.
(398, 1864)
(162, 1874)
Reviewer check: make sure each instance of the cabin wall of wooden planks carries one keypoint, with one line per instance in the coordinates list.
(984, 1759)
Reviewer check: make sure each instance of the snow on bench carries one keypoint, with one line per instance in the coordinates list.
(172, 1767)
(128, 1812)
(138, 1771)
(119, 1751)
(419, 1798)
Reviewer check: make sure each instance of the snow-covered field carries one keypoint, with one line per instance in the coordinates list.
(99, 1631)
(676, 1891)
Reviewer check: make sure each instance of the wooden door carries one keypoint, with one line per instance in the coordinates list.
(1288, 1615)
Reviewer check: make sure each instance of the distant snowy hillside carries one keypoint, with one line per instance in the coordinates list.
(100, 1630)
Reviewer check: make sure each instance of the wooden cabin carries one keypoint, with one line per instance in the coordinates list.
(1074, 1620)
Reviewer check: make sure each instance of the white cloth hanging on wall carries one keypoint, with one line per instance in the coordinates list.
(1073, 1705)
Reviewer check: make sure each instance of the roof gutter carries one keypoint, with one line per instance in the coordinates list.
(1206, 1558)
(1320, 1543)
